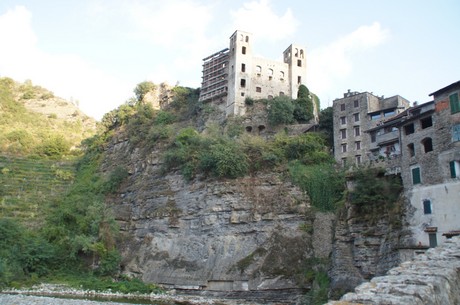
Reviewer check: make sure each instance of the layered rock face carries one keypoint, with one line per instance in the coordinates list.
(431, 278)
(247, 234)
(366, 244)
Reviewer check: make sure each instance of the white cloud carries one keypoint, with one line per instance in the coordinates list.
(334, 62)
(258, 18)
(67, 75)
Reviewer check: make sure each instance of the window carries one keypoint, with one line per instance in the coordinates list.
(299, 80)
(301, 53)
(426, 206)
(299, 63)
(358, 159)
(373, 137)
(281, 93)
(344, 161)
(258, 70)
(243, 67)
(258, 89)
(242, 93)
(456, 133)
(344, 148)
(433, 240)
(356, 117)
(357, 131)
(389, 113)
(343, 133)
(454, 103)
(416, 179)
(454, 169)
(411, 149)
(243, 83)
(426, 122)
(409, 129)
(358, 145)
(427, 144)
(356, 103)
(342, 107)
(281, 75)
(270, 72)
(343, 120)
(247, 38)
(243, 50)
(375, 116)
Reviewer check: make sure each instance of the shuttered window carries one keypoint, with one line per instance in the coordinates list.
(416, 179)
(454, 103)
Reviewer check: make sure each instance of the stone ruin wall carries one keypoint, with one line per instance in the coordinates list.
(431, 278)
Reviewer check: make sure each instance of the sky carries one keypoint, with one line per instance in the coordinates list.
(95, 52)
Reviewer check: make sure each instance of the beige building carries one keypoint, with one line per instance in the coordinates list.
(234, 74)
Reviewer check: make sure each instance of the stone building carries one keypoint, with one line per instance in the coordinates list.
(234, 74)
(422, 144)
(354, 115)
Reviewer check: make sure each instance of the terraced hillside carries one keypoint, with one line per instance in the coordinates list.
(28, 184)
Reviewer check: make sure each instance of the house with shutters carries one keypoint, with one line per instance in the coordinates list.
(422, 144)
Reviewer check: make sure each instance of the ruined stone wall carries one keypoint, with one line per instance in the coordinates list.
(431, 278)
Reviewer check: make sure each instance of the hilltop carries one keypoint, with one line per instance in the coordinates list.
(35, 122)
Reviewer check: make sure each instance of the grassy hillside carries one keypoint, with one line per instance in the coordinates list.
(35, 122)
(27, 185)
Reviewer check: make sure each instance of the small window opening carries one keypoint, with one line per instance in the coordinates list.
(299, 63)
(409, 129)
(258, 89)
(299, 80)
(243, 83)
(426, 206)
(249, 128)
(243, 50)
(342, 107)
(356, 103)
(243, 67)
(411, 149)
(427, 144)
(261, 128)
(426, 122)
(247, 38)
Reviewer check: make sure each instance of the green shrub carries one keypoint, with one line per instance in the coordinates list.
(54, 146)
(164, 118)
(372, 187)
(224, 160)
(280, 111)
(116, 177)
(323, 184)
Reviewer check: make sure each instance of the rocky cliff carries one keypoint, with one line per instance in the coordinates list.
(367, 243)
(255, 234)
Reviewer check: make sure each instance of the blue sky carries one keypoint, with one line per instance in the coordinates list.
(96, 51)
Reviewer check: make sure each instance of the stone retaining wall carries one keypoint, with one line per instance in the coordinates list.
(431, 278)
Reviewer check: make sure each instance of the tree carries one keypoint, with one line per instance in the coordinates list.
(142, 89)
(326, 125)
(280, 111)
(303, 105)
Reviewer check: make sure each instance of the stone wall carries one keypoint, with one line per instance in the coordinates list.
(431, 278)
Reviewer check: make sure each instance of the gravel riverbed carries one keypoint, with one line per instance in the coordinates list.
(51, 294)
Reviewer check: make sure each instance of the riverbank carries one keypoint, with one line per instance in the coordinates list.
(54, 294)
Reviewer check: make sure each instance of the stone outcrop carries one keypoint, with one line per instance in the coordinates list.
(247, 235)
(432, 278)
(366, 244)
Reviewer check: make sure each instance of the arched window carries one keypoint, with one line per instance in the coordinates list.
(301, 53)
(258, 69)
(427, 144)
(247, 38)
